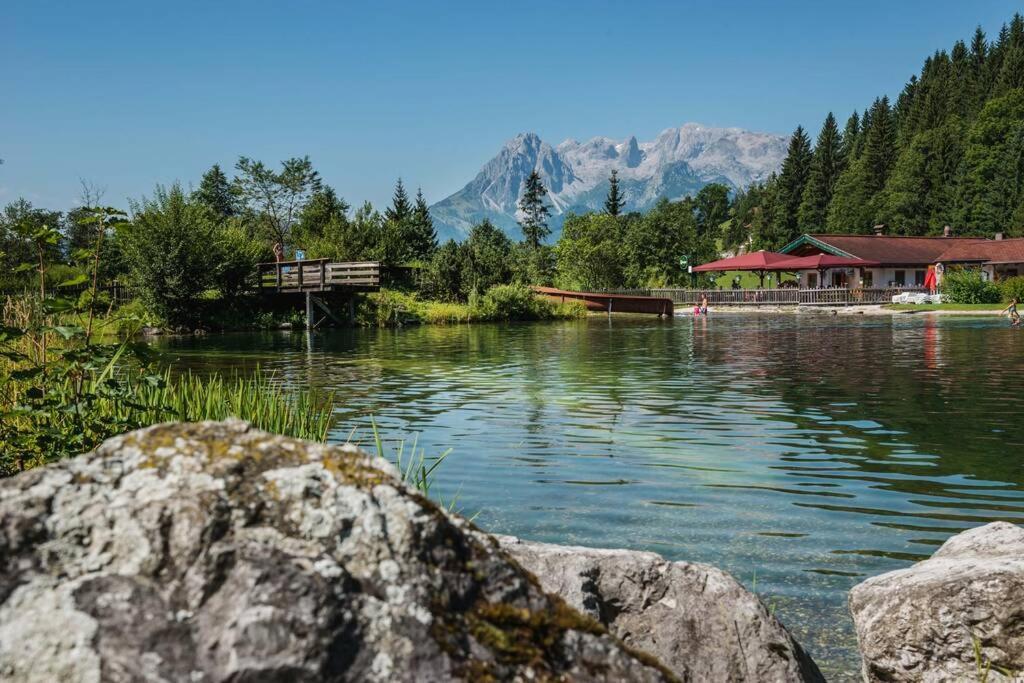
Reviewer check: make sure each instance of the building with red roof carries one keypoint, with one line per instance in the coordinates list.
(905, 261)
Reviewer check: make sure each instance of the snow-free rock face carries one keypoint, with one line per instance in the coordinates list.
(696, 619)
(216, 552)
(677, 163)
(951, 617)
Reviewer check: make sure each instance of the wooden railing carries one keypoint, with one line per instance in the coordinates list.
(316, 275)
(781, 296)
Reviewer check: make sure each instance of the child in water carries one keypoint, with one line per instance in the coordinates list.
(1011, 310)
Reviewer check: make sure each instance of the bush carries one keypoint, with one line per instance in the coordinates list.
(172, 252)
(237, 254)
(969, 286)
(518, 302)
(1012, 288)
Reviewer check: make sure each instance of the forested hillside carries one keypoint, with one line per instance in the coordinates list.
(949, 150)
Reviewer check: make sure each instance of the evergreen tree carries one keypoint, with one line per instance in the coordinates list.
(613, 203)
(534, 211)
(324, 213)
(826, 165)
(852, 137)
(796, 168)
(879, 146)
(400, 209)
(216, 193)
(422, 235)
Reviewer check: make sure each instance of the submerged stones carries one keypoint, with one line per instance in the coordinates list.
(957, 616)
(217, 552)
(696, 619)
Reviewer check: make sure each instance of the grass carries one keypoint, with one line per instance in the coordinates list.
(392, 307)
(749, 280)
(257, 399)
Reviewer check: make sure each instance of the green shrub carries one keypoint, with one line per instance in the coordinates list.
(518, 302)
(171, 250)
(969, 286)
(1012, 288)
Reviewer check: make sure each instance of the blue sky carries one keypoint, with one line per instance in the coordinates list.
(129, 94)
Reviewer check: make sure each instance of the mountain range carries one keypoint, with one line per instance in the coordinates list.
(675, 164)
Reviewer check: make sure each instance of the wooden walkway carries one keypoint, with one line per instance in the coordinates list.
(319, 275)
(612, 303)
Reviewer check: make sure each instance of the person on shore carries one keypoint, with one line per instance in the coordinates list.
(1011, 311)
(278, 252)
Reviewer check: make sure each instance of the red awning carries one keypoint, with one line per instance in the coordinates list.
(823, 262)
(755, 260)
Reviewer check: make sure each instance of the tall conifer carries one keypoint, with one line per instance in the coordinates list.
(613, 203)
(534, 222)
(826, 165)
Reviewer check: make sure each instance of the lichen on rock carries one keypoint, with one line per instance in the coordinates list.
(957, 616)
(213, 551)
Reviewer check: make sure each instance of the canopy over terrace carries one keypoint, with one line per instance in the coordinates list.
(759, 262)
(822, 262)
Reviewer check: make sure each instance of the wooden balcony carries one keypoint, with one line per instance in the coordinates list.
(319, 275)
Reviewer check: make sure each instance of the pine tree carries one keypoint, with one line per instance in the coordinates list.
(422, 235)
(613, 203)
(216, 193)
(535, 212)
(879, 146)
(400, 209)
(852, 137)
(826, 166)
(792, 181)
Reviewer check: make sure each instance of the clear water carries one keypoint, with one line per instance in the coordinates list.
(800, 453)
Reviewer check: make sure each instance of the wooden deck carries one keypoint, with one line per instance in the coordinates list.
(319, 275)
(611, 303)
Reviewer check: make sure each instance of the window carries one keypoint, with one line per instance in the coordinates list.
(919, 278)
(869, 278)
(812, 280)
(901, 278)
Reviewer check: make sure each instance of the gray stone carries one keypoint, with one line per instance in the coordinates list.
(950, 617)
(696, 619)
(215, 552)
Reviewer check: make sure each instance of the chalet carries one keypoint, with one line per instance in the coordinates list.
(904, 261)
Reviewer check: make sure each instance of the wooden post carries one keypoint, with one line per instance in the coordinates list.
(352, 309)
(309, 308)
(278, 275)
(300, 273)
(323, 274)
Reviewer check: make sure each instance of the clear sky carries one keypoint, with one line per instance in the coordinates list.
(129, 94)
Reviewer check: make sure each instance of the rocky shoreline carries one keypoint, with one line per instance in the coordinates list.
(217, 552)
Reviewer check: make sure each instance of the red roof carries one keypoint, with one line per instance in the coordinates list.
(824, 261)
(889, 249)
(988, 251)
(755, 260)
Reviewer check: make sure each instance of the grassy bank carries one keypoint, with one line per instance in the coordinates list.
(500, 303)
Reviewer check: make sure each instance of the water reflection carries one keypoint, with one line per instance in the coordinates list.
(808, 451)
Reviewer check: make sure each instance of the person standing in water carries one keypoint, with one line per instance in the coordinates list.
(704, 304)
(1011, 310)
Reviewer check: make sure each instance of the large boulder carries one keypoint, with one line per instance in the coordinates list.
(214, 552)
(952, 617)
(696, 619)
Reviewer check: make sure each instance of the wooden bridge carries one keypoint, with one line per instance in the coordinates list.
(324, 284)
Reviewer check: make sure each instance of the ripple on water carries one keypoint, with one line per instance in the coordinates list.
(799, 453)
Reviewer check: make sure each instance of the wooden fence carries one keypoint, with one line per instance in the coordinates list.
(782, 296)
(318, 275)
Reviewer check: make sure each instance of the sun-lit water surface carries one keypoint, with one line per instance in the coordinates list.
(800, 453)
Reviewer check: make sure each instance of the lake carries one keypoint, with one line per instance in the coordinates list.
(802, 453)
